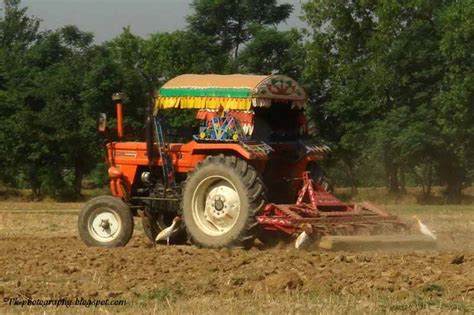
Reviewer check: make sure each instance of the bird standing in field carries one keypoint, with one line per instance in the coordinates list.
(303, 236)
(424, 229)
(165, 234)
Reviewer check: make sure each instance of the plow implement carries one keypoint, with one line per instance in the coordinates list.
(338, 225)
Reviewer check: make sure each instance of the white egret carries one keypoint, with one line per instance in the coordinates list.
(304, 236)
(165, 234)
(424, 229)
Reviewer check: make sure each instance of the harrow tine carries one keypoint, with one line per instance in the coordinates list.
(373, 208)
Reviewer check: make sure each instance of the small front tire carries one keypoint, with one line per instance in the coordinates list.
(105, 221)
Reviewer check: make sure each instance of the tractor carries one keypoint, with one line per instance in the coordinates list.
(251, 170)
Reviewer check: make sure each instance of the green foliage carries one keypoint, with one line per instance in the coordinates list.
(391, 81)
(391, 86)
(53, 85)
(273, 51)
(454, 102)
(48, 125)
(230, 24)
(145, 64)
(98, 176)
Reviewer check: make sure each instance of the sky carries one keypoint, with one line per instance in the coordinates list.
(106, 18)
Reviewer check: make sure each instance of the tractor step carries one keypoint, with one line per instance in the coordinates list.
(375, 242)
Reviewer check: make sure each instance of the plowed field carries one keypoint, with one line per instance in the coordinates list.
(41, 257)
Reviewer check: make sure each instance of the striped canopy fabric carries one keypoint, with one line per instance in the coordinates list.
(231, 92)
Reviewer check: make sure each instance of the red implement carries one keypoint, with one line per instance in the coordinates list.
(326, 214)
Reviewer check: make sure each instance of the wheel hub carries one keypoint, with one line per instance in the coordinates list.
(216, 206)
(219, 203)
(104, 225)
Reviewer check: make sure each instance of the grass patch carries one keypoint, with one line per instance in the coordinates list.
(161, 296)
(414, 195)
(310, 302)
(418, 303)
(158, 295)
(53, 227)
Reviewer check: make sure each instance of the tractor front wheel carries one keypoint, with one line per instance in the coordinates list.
(221, 198)
(105, 221)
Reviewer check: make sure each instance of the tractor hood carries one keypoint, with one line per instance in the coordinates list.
(232, 92)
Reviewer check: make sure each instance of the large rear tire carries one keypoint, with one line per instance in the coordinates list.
(221, 198)
(105, 221)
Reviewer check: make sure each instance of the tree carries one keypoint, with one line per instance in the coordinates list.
(18, 33)
(47, 126)
(146, 64)
(63, 141)
(336, 73)
(273, 51)
(454, 102)
(66, 114)
(230, 23)
(378, 67)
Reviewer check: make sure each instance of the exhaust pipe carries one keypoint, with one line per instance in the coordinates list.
(118, 98)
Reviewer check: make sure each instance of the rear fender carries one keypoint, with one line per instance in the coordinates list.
(256, 158)
(246, 152)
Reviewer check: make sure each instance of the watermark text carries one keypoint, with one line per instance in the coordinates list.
(25, 302)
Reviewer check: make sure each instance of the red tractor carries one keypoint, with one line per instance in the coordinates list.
(235, 180)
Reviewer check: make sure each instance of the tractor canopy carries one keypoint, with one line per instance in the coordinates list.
(235, 92)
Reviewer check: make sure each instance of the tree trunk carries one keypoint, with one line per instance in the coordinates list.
(423, 188)
(349, 168)
(424, 172)
(238, 39)
(403, 187)
(34, 182)
(391, 173)
(78, 176)
(429, 179)
(454, 185)
(236, 52)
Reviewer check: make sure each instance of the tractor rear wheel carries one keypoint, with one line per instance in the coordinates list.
(105, 221)
(221, 198)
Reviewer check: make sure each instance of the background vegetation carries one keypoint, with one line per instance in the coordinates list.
(391, 86)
